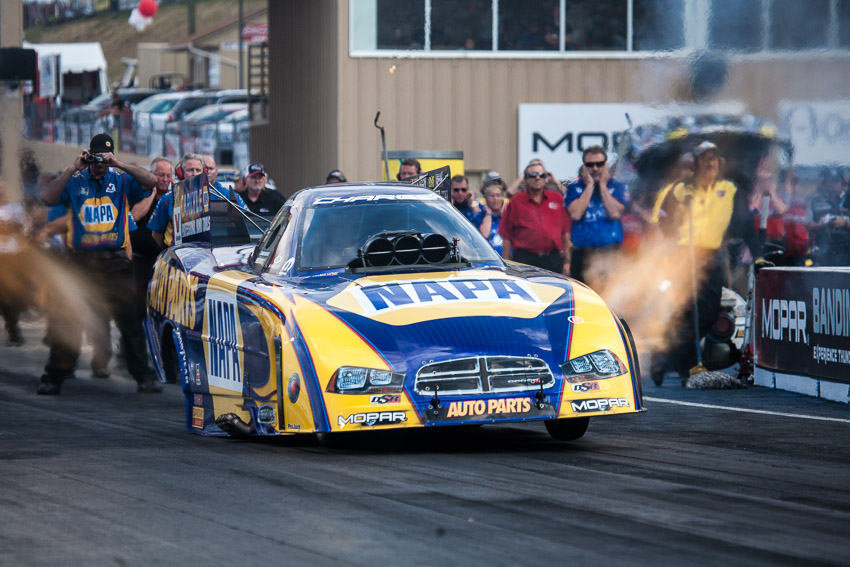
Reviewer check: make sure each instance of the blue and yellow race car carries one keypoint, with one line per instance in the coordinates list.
(373, 307)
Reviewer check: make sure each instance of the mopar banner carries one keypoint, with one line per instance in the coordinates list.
(802, 322)
(190, 217)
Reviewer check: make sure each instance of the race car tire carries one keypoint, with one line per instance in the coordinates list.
(334, 440)
(567, 429)
(170, 364)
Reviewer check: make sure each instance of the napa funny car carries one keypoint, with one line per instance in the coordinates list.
(373, 307)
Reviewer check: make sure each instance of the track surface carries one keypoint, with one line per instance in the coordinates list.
(105, 476)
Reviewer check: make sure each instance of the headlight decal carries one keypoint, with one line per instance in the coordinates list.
(597, 365)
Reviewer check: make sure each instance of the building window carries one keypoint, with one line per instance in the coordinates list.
(844, 23)
(523, 27)
(466, 25)
(594, 25)
(799, 25)
(529, 26)
(735, 25)
(401, 25)
(513, 25)
(659, 25)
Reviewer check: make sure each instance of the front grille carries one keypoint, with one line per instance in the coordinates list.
(483, 375)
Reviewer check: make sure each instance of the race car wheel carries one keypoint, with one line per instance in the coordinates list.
(170, 364)
(567, 429)
(334, 440)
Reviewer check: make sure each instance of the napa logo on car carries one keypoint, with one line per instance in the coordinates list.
(98, 215)
(389, 298)
(222, 337)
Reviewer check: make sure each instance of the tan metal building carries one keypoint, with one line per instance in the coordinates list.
(328, 73)
(208, 58)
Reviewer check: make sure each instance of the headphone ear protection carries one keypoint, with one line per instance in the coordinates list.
(178, 171)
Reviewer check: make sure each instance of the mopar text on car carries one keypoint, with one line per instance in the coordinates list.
(378, 306)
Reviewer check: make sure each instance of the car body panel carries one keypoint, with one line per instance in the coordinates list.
(466, 344)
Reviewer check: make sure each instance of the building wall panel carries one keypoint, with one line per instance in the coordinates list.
(469, 103)
(298, 145)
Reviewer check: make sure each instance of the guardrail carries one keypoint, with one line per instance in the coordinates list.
(801, 330)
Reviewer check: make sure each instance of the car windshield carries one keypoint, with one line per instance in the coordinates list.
(156, 105)
(213, 112)
(100, 100)
(331, 235)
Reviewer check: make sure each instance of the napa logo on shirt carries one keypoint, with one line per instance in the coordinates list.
(98, 214)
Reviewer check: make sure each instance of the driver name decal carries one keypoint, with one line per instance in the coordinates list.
(399, 295)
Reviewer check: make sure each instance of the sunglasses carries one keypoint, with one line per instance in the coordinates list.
(594, 164)
(535, 175)
(460, 189)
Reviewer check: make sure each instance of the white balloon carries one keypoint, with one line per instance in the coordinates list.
(138, 21)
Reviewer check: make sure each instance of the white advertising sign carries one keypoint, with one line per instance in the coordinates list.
(558, 133)
(48, 72)
(819, 131)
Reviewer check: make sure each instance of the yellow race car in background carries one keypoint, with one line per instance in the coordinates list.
(379, 306)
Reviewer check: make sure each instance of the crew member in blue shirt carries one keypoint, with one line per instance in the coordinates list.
(98, 191)
(190, 166)
(595, 203)
(462, 198)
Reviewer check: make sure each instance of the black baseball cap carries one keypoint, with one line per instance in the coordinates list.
(102, 144)
(336, 174)
(254, 169)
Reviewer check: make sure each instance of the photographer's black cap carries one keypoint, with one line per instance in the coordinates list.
(101, 144)
(336, 174)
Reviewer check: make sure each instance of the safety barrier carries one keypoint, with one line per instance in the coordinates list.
(801, 331)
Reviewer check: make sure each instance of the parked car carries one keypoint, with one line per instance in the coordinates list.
(217, 139)
(182, 136)
(151, 116)
(130, 95)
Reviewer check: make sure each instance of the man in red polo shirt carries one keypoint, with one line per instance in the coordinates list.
(535, 226)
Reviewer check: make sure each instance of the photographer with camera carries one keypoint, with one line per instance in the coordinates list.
(98, 199)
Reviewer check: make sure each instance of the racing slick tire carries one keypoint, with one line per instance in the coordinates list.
(567, 429)
(334, 440)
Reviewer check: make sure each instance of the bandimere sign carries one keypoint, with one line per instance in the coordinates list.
(802, 322)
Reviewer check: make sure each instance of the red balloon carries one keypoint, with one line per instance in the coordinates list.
(147, 8)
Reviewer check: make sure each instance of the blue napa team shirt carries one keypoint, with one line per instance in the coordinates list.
(596, 229)
(495, 239)
(466, 210)
(160, 220)
(100, 209)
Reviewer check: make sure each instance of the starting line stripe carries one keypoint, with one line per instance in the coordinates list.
(744, 410)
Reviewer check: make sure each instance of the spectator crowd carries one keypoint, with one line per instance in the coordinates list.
(105, 221)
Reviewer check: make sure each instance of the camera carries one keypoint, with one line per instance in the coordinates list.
(92, 158)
